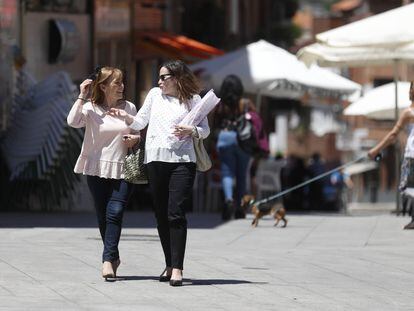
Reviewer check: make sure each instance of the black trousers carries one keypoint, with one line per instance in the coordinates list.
(171, 185)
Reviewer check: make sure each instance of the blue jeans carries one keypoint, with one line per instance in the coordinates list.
(110, 198)
(234, 162)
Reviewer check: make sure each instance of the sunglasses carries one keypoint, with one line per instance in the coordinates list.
(165, 76)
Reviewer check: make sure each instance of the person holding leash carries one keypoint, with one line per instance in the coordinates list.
(407, 167)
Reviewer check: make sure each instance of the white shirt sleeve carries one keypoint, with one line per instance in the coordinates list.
(142, 117)
(77, 117)
(133, 111)
(203, 128)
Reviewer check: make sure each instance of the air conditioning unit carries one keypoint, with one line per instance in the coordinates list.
(64, 41)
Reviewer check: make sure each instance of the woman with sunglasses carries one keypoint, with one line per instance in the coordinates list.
(104, 148)
(171, 166)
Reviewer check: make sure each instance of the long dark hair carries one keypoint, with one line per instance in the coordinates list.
(231, 91)
(187, 83)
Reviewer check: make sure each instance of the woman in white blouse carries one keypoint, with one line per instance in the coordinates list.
(104, 148)
(171, 164)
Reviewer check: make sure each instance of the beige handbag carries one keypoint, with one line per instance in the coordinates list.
(203, 160)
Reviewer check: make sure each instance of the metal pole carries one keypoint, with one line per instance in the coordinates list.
(397, 145)
(258, 100)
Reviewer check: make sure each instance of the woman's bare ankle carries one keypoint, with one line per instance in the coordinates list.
(177, 274)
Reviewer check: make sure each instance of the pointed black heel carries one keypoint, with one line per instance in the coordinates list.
(164, 278)
(176, 282)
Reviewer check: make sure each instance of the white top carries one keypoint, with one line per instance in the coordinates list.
(103, 151)
(409, 147)
(162, 113)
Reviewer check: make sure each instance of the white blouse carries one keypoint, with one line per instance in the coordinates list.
(162, 113)
(409, 146)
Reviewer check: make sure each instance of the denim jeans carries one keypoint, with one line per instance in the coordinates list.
(234, 162)
(171, 186)
(110, 199)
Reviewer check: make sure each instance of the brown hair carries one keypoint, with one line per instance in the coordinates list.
(104, 76)
(187, 83)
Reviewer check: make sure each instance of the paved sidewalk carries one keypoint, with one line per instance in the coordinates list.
(319, 262)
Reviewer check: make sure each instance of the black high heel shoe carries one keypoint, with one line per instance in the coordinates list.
(115, 265)
(164, 278)
(176, 282)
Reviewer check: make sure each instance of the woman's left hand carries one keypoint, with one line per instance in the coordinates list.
(131, 139)
(122, 114)
(183, 130)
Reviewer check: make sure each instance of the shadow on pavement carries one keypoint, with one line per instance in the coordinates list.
(190, 282)
(88, 220)
(218, 282)
(136, 278)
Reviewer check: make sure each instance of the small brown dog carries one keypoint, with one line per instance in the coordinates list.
(277, 210)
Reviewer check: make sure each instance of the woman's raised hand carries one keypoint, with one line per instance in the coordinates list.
(115, 112)
(371, 154)
(122, 114)
(85, 87)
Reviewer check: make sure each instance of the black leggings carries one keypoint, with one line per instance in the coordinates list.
(171, 185)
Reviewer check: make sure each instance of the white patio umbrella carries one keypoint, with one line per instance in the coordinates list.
(379, 103)
(386, 38)
(266, 69)
(376, 40)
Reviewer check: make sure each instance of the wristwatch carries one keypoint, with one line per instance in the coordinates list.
(194, 132)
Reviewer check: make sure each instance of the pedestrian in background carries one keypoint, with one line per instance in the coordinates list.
(171, 166)
(262, 151)
(315, 168)
(233, 160)
(407, 167)
(292, 174)
(104, 148)
(336, 187)
(247, 105)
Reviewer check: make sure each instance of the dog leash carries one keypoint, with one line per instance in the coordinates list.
(282, 193)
